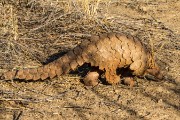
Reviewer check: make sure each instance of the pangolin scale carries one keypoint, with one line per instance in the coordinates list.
(108, 52)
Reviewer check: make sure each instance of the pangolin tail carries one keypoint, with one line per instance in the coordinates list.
(56, 68)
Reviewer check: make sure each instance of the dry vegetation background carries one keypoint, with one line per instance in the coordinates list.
(35, 32)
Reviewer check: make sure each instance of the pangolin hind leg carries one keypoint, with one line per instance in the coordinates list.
(91, 79)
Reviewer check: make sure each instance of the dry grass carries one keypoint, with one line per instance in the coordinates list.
(22, 20)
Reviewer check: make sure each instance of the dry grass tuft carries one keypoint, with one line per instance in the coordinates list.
(9, 22)
(89, 7)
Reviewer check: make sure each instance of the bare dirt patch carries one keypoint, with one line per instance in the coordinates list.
(33, 33)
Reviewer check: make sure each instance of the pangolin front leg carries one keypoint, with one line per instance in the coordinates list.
(112, 77)
(129, 81)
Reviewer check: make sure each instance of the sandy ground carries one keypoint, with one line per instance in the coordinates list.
(36, 32)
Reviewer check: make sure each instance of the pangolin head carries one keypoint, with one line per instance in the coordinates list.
(153, 68)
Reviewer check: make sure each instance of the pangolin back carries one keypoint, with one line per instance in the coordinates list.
(106, 51)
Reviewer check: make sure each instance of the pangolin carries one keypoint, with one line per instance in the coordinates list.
(106, 52)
